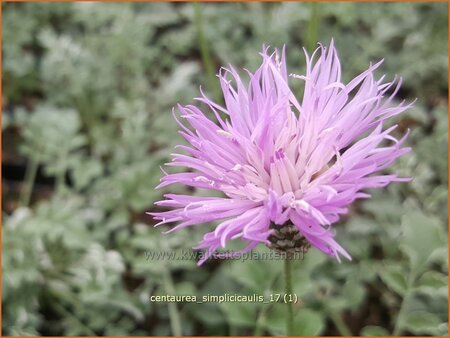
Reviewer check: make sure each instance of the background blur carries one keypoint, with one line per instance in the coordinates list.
(88, 90)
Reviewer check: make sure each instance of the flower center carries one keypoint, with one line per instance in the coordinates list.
(286, 238)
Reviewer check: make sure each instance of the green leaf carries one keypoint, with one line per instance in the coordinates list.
(422, 322)
(208, 313)
(303, 270)
(257, 275)
(374, 331)
(395, 277)
(389, 204)
(306, 322)
(85, 171)
(422, 235)
(433, 283)
(240, 313)
(353, 292)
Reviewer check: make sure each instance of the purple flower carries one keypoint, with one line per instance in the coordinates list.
(280, 162)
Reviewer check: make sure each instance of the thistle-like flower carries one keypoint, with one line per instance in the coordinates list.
(288, 170)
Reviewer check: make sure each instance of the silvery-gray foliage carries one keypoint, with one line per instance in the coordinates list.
(88, 91)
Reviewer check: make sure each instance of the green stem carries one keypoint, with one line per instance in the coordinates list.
(313, 26)
(205, 52)
(288, 291)
(30, 176)
(174, 316)
(340, 325)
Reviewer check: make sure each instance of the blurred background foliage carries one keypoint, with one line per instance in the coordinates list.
(88, 90)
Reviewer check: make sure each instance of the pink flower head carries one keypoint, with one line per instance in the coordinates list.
(278, 161)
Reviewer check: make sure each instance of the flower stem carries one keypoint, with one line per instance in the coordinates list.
(30, 176)
(288, 291)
